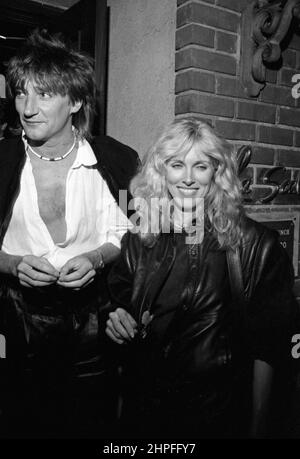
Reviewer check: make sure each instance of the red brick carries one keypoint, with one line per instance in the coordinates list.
(235, 5)
(289, 116)
(271, 76)
(194, 34)
(204, 119)
(194, 80)
(286, 76)
(207, 15)
(275, 135)
(226, 42)
(289, 58)
(256, 112)
(297, 139)
(227, 86)
(277, 95)
(262, 155)
(233, 130)
(202, 103)
(289, 158)
(208, 60)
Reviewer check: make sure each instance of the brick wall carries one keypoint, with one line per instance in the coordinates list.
(207, 83)
(207, 67)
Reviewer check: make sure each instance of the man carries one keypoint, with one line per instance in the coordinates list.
(60, 226)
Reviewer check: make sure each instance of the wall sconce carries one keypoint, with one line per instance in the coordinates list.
(265, 23)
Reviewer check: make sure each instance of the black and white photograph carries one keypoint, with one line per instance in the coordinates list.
(149, 223)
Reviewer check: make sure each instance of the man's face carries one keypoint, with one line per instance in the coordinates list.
(44, 116)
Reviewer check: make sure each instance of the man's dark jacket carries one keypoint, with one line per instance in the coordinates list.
(117, 164)
(28, 334)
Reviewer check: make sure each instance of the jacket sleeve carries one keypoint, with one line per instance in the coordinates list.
(118, 164)
(121, 277)
(120, 287)
(272, 313)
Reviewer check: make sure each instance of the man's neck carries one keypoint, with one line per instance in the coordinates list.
(54, 147)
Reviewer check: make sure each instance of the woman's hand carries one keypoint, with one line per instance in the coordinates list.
(121, 326)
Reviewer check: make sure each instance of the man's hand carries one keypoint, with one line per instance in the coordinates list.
(35, 271)
(77, 273)
(121, 326)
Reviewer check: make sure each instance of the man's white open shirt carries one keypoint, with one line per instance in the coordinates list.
(92, 214)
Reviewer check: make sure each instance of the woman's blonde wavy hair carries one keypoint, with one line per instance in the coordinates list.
(223, 200)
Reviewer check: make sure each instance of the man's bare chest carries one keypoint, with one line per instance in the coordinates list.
(51, 182)
(51, 196)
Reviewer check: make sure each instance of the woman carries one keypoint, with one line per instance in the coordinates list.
(195, 354)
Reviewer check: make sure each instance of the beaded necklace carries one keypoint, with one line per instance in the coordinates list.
(57, 158)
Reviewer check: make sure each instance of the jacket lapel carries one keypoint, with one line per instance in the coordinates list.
(159, 267)
(10, 173)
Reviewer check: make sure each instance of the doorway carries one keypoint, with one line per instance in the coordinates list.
(85, 25)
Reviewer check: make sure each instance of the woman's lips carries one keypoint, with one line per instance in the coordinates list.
(187, 191)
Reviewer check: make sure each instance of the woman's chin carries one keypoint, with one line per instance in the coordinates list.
(188, 204)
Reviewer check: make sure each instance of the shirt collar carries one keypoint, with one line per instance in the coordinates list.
(85, 155)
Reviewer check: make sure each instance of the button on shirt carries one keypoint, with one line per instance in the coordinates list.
(92, 214)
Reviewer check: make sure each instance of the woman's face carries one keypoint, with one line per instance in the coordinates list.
(189, 177)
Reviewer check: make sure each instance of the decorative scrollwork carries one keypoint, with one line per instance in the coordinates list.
(274, 178)
(243, 158)
(265, 23)
(287, 186)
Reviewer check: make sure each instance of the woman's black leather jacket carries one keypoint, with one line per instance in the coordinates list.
(212, 333)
